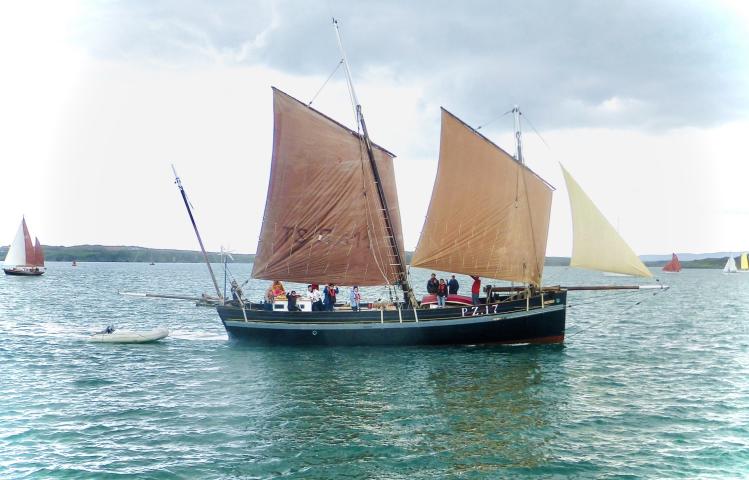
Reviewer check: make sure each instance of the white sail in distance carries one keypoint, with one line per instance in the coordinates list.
(596, 245)
(730, 265)
(17, 252)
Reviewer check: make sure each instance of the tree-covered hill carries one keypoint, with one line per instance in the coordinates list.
(103, 253)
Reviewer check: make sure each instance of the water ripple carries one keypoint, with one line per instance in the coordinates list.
(656, 390)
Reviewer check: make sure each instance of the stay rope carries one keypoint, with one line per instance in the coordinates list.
(624, 296)
(340, 62)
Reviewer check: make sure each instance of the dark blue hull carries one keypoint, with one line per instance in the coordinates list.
(512, 323)
(23, 273)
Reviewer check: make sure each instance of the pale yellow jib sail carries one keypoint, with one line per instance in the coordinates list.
(596, 243)
(744, 263)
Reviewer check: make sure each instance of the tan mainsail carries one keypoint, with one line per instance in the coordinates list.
(596, 245)
(489, 215)
(323, 221)
(38, 254)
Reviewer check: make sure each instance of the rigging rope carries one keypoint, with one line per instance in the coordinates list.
(625, 296)
(493, 120)
(534, 129)
(340, 62)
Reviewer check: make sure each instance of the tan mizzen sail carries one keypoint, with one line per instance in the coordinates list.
(596, 244)
(38, 254)
(489, 214)
(322, 219)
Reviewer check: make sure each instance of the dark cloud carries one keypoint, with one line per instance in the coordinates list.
(634, 64)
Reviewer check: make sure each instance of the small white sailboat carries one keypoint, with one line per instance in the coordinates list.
(112, 335)
(730, 265)
(24, 258)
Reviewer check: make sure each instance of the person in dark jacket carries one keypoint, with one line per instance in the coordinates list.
(432, 285)
(291, 299)
(330, 295)
(452, 286)
(237, 296)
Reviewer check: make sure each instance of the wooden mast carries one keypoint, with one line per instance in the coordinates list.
(390, 231)
(195, 227)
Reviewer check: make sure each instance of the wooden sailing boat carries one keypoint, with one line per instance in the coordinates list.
(24, 258)
(744, 265)
(342, 225)
(730, 266)
(673, 266)
(332, 215)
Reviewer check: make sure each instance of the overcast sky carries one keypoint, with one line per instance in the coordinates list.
(645, 102)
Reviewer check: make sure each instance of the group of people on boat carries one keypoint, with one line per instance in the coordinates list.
(441, 288)
(325, 300)
(321, 301)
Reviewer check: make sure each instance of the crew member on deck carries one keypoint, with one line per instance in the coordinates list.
(269, 297)
(330, 294)
(475, 289)
(452, 286)
(441, 292)
(291, 299)
(278, 290)
(316, 297)
(355, 298)
(432, 284)
(236, 293)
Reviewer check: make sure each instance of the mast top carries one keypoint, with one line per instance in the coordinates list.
(518, 135)
(397, 256)
(349, 82)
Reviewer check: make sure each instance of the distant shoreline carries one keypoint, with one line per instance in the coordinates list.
(103, 253)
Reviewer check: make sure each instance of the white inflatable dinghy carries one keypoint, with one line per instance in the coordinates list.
(129, 336)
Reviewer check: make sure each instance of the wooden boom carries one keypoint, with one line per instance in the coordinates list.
(583, 287)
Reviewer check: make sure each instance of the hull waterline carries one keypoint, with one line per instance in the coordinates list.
(450, 326)
(23, 273)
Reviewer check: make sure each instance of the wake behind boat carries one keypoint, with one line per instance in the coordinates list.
(24, 258)
(112, 335)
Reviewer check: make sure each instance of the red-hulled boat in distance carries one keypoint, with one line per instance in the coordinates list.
(24, 258)
(674, 265)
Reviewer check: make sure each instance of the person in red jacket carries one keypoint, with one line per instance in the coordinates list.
(475, 289)
(441, 293)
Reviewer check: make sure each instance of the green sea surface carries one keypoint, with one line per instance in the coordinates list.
(646, 386)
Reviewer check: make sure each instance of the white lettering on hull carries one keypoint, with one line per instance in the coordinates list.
(476, 311)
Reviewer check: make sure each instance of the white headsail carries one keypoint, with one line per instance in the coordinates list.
(730, 265)
(596, 243)
(17, 254)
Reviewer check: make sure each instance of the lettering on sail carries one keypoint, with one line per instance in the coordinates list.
(478, 311)
(302, 237)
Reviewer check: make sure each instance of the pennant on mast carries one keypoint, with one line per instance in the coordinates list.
(322, 220)
(488, 215)
(596, 245)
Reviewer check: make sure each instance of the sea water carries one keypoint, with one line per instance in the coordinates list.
(645, 386)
